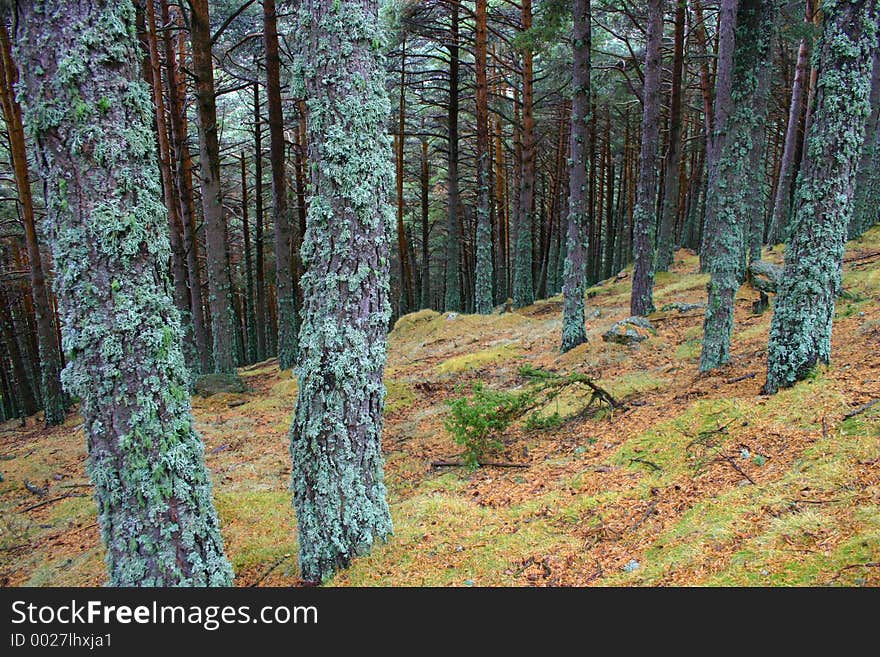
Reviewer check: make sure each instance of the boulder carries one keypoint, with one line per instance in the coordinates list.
(629, 331)
(682, 307)
(211, 384)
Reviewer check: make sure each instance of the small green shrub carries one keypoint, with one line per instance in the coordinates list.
(535, 422)
(477, 420)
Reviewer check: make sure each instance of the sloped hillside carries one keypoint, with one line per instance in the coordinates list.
(689, 480)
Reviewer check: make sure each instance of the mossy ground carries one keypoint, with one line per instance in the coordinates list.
(665, 483)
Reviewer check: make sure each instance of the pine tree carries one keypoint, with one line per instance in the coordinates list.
(89, 112)
(645, 216)
(800, 333)
(574, 331)
(338, 487)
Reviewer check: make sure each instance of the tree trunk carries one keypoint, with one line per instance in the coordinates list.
(183, 183)
(523, 287)
(249, 314)
(800, 333)
(426, 228)
(109, 236)
(219, 283)
(453, 234)
(866, 207)
(669, 211)
(574, 284)
(338, 486)
(782, 199)
(54, 400)
(483, 267)
(645, 215)
(24, 391)
(727, 202)
(288, 323)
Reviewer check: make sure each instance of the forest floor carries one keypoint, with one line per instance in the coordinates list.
(697, 480)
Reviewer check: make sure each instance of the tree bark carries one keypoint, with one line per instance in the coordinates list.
(426, 228)
(725, 236)
(645, 215)
(249, 314)
(800, 332)
(338, 486)
(669, 211)
(866, 206)
(574, 330)
(183, 182)
(219, 283)
(109, 237)
(453, 300)
(54, 399)
(523, 286)
(483, 267)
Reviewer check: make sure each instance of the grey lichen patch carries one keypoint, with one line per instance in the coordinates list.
(89, 114)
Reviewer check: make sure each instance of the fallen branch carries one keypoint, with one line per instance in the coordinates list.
(864, 256)
(733, 464)
(52, 501)
(482, 464)
(238, 402)
(656, 467)
(750, 375)
(868, 564)
(271, 568)
(861, 409)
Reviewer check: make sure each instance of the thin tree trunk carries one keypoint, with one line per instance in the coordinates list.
(109, 237)
(669, 212)
(645, 215)
(25, 393)
(574, 330)
(800, 333)
(183, 182)
(426, 228)
(54, 399)
(483, 267)
(219, 283)
(523, 285)
(249, 314)
(453, 300)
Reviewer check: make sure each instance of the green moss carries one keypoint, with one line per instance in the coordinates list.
(478, 359)
(399, 395)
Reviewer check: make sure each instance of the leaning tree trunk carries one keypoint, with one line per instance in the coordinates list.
(800, 333)
(727, 202)
(574, 330)
(54, 400)
(644, 216)
(338, 486)
(219, 284)
(89, 114)
(483, 274)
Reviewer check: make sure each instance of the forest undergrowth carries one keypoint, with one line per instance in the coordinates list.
(688, 480)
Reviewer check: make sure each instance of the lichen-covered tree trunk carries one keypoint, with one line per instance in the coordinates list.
(800, 333)
(574, 275)
(54, 399)
(219, 283)
(728, 194)
(782, 198)
(483, 273)
(452, 297)
(669, 208)
(89, 114)
(644, 215)
(338, 486)
(866, 207)
(523, 285)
